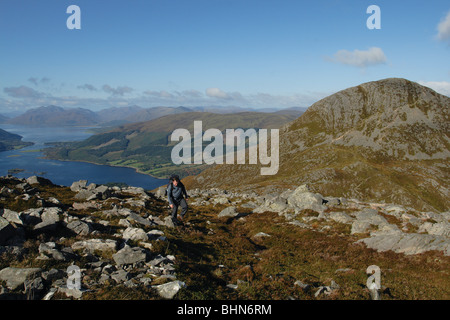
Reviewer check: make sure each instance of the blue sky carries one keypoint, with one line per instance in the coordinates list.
(248, 53)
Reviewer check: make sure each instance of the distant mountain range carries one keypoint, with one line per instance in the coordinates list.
(56, 116)
(146, 146)
(11, 141)
(386, 141)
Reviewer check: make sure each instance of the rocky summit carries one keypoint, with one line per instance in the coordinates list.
(91, 241)
(382, 141)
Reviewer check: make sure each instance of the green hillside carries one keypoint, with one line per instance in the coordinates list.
(146, 147)
(11, 141)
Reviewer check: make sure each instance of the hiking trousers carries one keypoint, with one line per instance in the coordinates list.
(184, 208)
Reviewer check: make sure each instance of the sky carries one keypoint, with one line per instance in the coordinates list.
(246, 53)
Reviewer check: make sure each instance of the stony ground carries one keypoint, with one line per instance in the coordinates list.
(293, 244)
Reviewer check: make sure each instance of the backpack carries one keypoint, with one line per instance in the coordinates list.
(166, 191)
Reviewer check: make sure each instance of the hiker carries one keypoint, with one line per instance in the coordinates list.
(177, 195)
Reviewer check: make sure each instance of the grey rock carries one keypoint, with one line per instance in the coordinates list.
(168, 222)
(46, 226)
(365, 219)
(49, 249)
(221, 200)
(120, 276)
(93, 245)
(31, 216)
(53, 274)
(103, 192)
(135, 234)
(341, 217)
(85, 194)
(80, 227)
(439, 229)
(6, 230)
(155, 234)
(302, 199)
(12, 217)
(71, 292)
(39, 180)
(78, 185)
(169, 290)
(228, 212)
(158, 260)
(129, 255)
(51, 214)
(408, 243)
(135, 217)
(16, 277)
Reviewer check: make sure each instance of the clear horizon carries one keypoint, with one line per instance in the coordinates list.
(248, 54)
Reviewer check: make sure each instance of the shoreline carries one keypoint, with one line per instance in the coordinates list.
(109, 165)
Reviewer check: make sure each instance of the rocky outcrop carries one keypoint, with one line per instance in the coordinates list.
(115, 244)
(410, 231)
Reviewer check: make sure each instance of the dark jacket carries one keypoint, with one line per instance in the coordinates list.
(175, 194)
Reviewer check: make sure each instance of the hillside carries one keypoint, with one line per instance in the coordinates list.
(54, 116)
(146, 146)
(385, 141)
(11, 141)
(230, 246)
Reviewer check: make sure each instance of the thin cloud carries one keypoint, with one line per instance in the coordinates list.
(22, 92)
(37, 81)
(360, 58)
(217, 93)
(88, 87)
(119, 91)
(159, 94)
(444, 29)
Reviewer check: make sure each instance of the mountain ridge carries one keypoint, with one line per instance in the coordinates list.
(385, 140)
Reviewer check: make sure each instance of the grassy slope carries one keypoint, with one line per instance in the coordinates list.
(212, 252)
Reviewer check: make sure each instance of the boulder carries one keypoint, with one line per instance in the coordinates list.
(408, 243)
(85, 194)
(221, 200)
(169, 290)
(93, 245)
(129, 255)
(79, 227)
(16, 277)
(12, 217)
(302, 199)
(50, 220)
(135, 217)
(77, 186)
(6, 230)
(135, 234)
(228, 212)
(39, 180)
(51, 214)
(366, 219)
